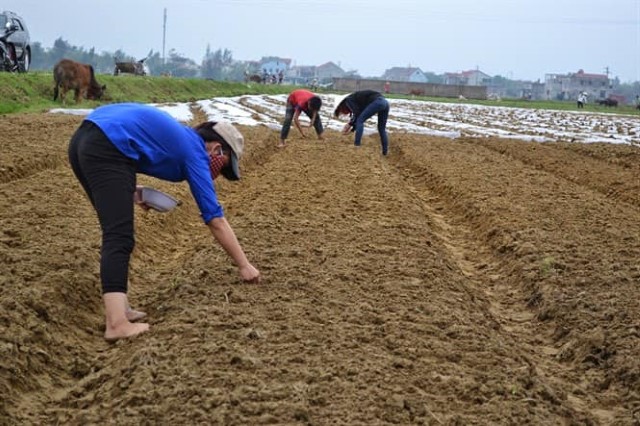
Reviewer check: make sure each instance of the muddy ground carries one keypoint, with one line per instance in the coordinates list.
(456, 282)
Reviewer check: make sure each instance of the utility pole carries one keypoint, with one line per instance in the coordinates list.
(606, 70)
(164, 35)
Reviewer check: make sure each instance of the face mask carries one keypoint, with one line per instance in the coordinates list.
(217, 162)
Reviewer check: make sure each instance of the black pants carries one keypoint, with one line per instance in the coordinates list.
(288, 118)
(109, 179)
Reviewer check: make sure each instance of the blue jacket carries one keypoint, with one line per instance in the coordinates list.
(161, 147)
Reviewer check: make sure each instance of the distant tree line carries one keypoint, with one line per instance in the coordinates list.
(217, 65)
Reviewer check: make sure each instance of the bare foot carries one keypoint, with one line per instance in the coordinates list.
(281, 145)
(125, 330)
(133, 315)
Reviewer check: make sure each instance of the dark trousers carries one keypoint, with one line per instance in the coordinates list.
(381, 107)
(288, 118)
(109, 179)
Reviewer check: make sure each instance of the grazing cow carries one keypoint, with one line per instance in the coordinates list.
(135, 68)
(416, 92)
(608, 102)
(254, 78)
(68, 74)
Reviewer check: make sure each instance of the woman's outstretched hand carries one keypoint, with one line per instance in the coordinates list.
(250, 274)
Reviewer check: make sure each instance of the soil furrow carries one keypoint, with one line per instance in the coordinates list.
(507, 303)
(447, 284)
(616, 175)
(528, 249)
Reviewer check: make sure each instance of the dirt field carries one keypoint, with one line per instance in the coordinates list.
(468, 281)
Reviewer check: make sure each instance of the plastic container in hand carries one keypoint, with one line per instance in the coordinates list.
(158, 200)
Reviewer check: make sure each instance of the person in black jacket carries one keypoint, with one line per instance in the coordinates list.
(361, 106)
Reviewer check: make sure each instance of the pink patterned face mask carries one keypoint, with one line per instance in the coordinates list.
(217, 161)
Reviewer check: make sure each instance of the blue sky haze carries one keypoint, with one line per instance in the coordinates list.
(519, 39)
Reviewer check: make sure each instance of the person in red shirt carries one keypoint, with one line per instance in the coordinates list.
(301, 100)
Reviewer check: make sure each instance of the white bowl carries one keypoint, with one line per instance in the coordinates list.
(158, 200)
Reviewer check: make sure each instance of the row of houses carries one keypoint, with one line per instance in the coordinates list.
(416, 75)
(297, 74)
(329, 70)
(555, 87)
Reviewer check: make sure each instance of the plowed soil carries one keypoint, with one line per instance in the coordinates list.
(456, 282)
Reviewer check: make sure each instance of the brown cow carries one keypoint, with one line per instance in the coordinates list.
(68, 74)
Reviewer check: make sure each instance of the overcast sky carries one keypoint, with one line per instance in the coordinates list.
(519, 39)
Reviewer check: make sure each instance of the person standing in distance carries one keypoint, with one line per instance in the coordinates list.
(117, 141)
(361, 106)
(299, 101)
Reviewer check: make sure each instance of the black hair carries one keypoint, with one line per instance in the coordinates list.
(342, 108)
(315, 103)
(208, 133)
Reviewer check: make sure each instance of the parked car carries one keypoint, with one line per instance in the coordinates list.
(18, 41)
